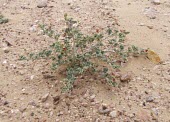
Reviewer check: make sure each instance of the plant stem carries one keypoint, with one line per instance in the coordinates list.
(74, 48)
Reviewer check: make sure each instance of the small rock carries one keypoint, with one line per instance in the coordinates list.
(155, 111)
(36, 21)
(22, 109)
(165, 29)
(150, 12)
(126, 77)
(92, 98)
(45, 97)
(77, 9)
(104, 110)
(141, 24)
(4, 62)
(32, 114)
(149, 99)
(13, 65)
(116, 74)
(56, 100)
(152, 17)
(46, 106)
(60, 113)
(6, 102)
(156, 2)
(150, 27)
(84, 104)
(97, 120)
(33, 104)
(22, 72)
(113, 114)
(32, 77)
(42, 3)
(33, 28)
(51, 113)
(86, 95)
(156, 67)
(1, 112)
(2, 102)
(131, 115)
(6, 50)
(9, 43)
(57, 120)
(14, 111)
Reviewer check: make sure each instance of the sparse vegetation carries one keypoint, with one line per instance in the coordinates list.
(98, 53)
(3, 19)
(31, 91)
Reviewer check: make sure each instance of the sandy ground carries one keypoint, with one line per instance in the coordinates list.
(27, 96)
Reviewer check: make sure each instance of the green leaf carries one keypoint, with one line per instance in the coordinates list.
(22, 58)
(109, 31)
(121, 47)
(105, 69)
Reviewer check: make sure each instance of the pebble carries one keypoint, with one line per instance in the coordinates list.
(60, 113)
(45, 97)
(150, 27)
(1, 112)
(131, 115)
(33, 104)
(103, 110)
(149, 99)
(36, 21)
(77, 9)
(42, 3)
(4, 62)
(152, 17)
(97, 120)
(117, 74)
(113, 114)
(155, 111)
(3, 102)
(165, 29)
(14, 111)
(46, 106)
(33, 28)
(22, 72)
(84, 104)
(156, 67)
(9, 42)
(57, 120)
(32, 114)
(126, 77)
(32, 77)
(92, 98)
(150, 12)
(6, 103)
(51, 113)
(22, 109)
(13, 65)
(56, 100)
(141, 24)
(6, 50)
(156, 2)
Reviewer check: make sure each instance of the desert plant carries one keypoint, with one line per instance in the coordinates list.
(3, 20)
(98, 53)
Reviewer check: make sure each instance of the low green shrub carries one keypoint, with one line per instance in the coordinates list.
(81, 54)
